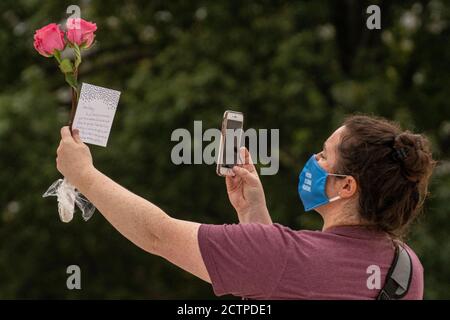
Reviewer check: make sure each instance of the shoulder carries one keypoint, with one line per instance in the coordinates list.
(273, 231)
(252, 232)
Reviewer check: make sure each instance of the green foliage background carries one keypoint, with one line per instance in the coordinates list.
(298, 66)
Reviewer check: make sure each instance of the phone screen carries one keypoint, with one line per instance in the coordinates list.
(233, 133)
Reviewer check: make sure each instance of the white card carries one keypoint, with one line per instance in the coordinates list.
(95, 113)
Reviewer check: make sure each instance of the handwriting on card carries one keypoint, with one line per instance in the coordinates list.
(95, 113)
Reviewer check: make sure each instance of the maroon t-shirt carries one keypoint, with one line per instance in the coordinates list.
(260, 261)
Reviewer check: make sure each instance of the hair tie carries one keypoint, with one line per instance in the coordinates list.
(400, 154)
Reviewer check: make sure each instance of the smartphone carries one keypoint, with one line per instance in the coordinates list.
(230, 142)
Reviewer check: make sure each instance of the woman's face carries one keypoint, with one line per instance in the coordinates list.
(327, 158)
(345, 188)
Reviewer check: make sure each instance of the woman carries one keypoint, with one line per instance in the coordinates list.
(368, 184)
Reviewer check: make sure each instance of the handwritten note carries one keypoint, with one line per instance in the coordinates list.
(95, 113)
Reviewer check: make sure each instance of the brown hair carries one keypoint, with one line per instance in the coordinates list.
(391, 167)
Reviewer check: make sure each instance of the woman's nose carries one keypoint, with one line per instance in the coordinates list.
(316, 156)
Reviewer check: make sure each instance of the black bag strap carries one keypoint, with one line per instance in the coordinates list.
(399, 275)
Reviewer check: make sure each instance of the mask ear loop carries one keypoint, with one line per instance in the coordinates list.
(338, 196)
(334, 198)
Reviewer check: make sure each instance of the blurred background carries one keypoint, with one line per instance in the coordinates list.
(299, 66)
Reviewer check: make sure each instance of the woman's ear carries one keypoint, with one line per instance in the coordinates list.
(349, 187)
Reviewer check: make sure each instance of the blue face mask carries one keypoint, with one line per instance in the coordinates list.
(311, 185)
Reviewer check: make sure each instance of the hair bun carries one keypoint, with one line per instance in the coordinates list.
(412, 150)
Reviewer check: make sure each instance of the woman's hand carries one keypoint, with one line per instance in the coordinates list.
(246, 193)
(74, 159)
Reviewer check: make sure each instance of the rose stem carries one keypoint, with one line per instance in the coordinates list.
(74, 103)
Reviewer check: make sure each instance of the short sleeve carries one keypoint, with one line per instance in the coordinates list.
(245, 260)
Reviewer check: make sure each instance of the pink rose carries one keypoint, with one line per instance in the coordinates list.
(80, 32)
(48, 39)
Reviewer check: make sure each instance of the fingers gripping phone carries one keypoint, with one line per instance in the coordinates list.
(230, 142)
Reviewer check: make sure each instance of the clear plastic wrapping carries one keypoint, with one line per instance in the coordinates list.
(68, 197)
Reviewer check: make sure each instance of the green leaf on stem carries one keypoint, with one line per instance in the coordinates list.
(72, 80)
(66, 66)
(57, 56)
